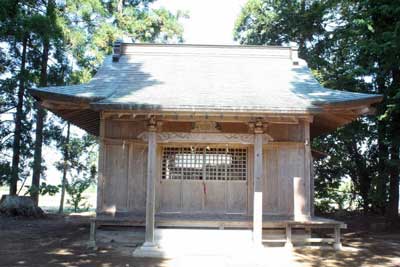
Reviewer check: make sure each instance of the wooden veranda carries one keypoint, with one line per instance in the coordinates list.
(230, 221)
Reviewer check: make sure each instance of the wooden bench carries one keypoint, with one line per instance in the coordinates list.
(316, 224)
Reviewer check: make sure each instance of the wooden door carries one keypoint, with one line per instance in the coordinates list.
(203, 179)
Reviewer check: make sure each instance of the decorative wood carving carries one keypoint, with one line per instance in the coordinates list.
(159, 125)
(171, 137)
(258, 127)
(205, 127)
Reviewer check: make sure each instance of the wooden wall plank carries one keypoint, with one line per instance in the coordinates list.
(137, 168)
(236, 197)
(170, 198)
(271, 182)
(281, 164)
(286, 132)
(192, 196)
(214, 196)
(124, 129)
(116, 178)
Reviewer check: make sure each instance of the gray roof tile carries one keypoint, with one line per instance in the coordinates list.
(221, 78)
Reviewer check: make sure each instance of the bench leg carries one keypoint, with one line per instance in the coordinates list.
(309, 234)
(337, 245)
(92, 238)
(289, 243)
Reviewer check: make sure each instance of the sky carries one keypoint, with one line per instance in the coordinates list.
(210, 22)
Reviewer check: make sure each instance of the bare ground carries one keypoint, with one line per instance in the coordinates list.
(61, 241)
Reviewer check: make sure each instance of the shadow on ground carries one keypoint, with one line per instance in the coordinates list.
(61, 241)
(57, 241)
(364, 250)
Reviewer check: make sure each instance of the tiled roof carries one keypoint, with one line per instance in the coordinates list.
(205, 78)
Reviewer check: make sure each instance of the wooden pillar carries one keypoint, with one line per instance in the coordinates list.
(258, 184)
(150, 189)
(299, 199)
(100, 179)
(302, 185)
(92, 237)
(288, 243)
(307, 170)
(312, 190)
(337, 245)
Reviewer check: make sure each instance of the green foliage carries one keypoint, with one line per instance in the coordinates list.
(350, 45)
(21, 20)
(80, 33)
(44, 189)
(352, 152)
(280, 22)
(91, 27)
(5, 172)
(81, 153)
(75, 189)
(341, 198)
(78, 186)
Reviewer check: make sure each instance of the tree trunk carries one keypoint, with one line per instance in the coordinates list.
(383, 154)
(393, 211)
(394, 172)
(65, 170)
(40, 117)
(383, 150)
(361, 174)
(120, 6)
(18, 122)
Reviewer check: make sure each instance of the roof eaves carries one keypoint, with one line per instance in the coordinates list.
(364, 100)
(203, 108)
(37, 93)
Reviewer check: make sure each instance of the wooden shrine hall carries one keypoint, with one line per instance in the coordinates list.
(206, 136)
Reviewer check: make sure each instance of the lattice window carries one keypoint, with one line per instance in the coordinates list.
(204, 163)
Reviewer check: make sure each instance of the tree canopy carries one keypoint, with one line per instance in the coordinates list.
(354, 46)
(49, 42)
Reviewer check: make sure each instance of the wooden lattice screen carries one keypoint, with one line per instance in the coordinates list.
(204, 163)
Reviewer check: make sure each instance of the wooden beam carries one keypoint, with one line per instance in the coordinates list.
(116, 141)
(288, 118)
(225, 138)
(51, 104)
(69, 113)
(282, 120)
(283, 144)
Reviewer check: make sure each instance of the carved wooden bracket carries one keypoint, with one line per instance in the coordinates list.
(258, 126)
(154, 125)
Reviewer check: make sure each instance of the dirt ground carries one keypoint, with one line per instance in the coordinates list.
(61, 241)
